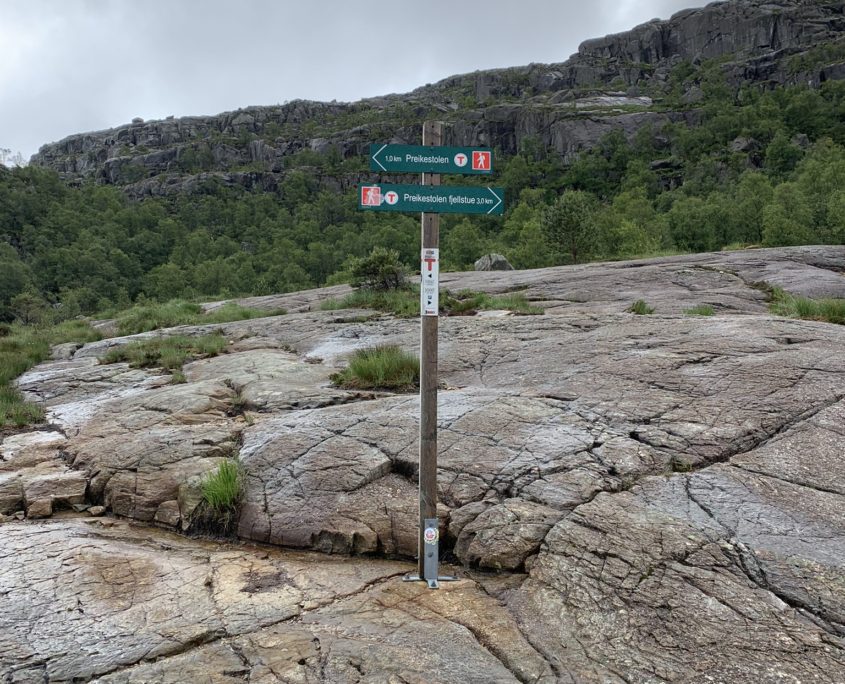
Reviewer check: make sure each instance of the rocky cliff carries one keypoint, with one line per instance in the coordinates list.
(619, 82)
(627, 499)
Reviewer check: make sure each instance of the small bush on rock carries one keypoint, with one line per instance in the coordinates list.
(381, 270)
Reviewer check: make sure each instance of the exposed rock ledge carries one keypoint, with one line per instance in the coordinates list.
(662, 493)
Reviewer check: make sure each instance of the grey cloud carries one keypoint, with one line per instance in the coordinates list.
(92, 64)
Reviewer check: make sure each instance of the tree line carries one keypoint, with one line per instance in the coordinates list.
(763, 168)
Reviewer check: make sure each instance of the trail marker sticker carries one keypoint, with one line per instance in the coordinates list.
(431, 535)
(429, 282)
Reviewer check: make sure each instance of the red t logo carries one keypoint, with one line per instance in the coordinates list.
(480, 161)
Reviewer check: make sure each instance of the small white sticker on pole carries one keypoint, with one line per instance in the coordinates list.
(429, 282)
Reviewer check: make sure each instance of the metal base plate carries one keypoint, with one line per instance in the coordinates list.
(432, 583)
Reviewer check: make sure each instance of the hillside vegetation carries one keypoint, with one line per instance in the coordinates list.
(762, 167)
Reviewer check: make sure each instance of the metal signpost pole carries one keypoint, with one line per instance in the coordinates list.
(432, 136)
(432, 200)
(429, 536)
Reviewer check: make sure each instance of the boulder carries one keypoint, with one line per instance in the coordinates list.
(493, 262)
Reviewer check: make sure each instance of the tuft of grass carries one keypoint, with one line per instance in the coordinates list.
(467, 302)
(700, 310)
(402, 303)
(405, 303)
(640, 307)
(385, 367)
(15, 411)
(178, 378)
(221, 489)
(146, 317)
(169, 353)
(235, 312)
(21, 348)
(828, 310)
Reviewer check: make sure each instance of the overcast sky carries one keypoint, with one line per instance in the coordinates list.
(70, 66)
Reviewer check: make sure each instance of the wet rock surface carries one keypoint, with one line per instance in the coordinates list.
(661, 495)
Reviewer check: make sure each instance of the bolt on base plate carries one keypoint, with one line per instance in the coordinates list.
(432, 583)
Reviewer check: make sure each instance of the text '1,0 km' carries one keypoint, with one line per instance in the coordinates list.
(438, 199)
(420, 159)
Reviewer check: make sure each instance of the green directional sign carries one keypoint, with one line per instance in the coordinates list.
(438, 199)
(419, 159)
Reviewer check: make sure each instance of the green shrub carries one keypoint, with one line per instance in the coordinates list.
(640, 307)
(386, 367)
(381, 270)
(700, 310)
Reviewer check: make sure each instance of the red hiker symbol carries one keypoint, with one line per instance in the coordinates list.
(481, 161)
(370, 196)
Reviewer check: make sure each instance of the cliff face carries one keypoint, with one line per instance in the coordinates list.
(612, 83)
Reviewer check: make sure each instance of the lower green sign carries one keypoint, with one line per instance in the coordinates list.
(439, 199)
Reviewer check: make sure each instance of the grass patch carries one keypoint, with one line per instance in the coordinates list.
(21, 348)
(221, 490)
(235, 312)
(640, 307)
(169, 353)
(386, 367)
(14, 411)
(700, 310)
(146, 317)
(405, 303)
(467, 302)
(828, 310)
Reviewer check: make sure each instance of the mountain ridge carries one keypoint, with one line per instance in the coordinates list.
(620, 81)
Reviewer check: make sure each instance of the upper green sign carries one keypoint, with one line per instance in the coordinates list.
(439, 199)
(420, 159)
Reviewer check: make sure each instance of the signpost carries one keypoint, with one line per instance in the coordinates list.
(431, 199)
(442, 199)
(425, 159)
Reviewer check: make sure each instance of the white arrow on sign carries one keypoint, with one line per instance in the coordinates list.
(375, 157)
(498, 202)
